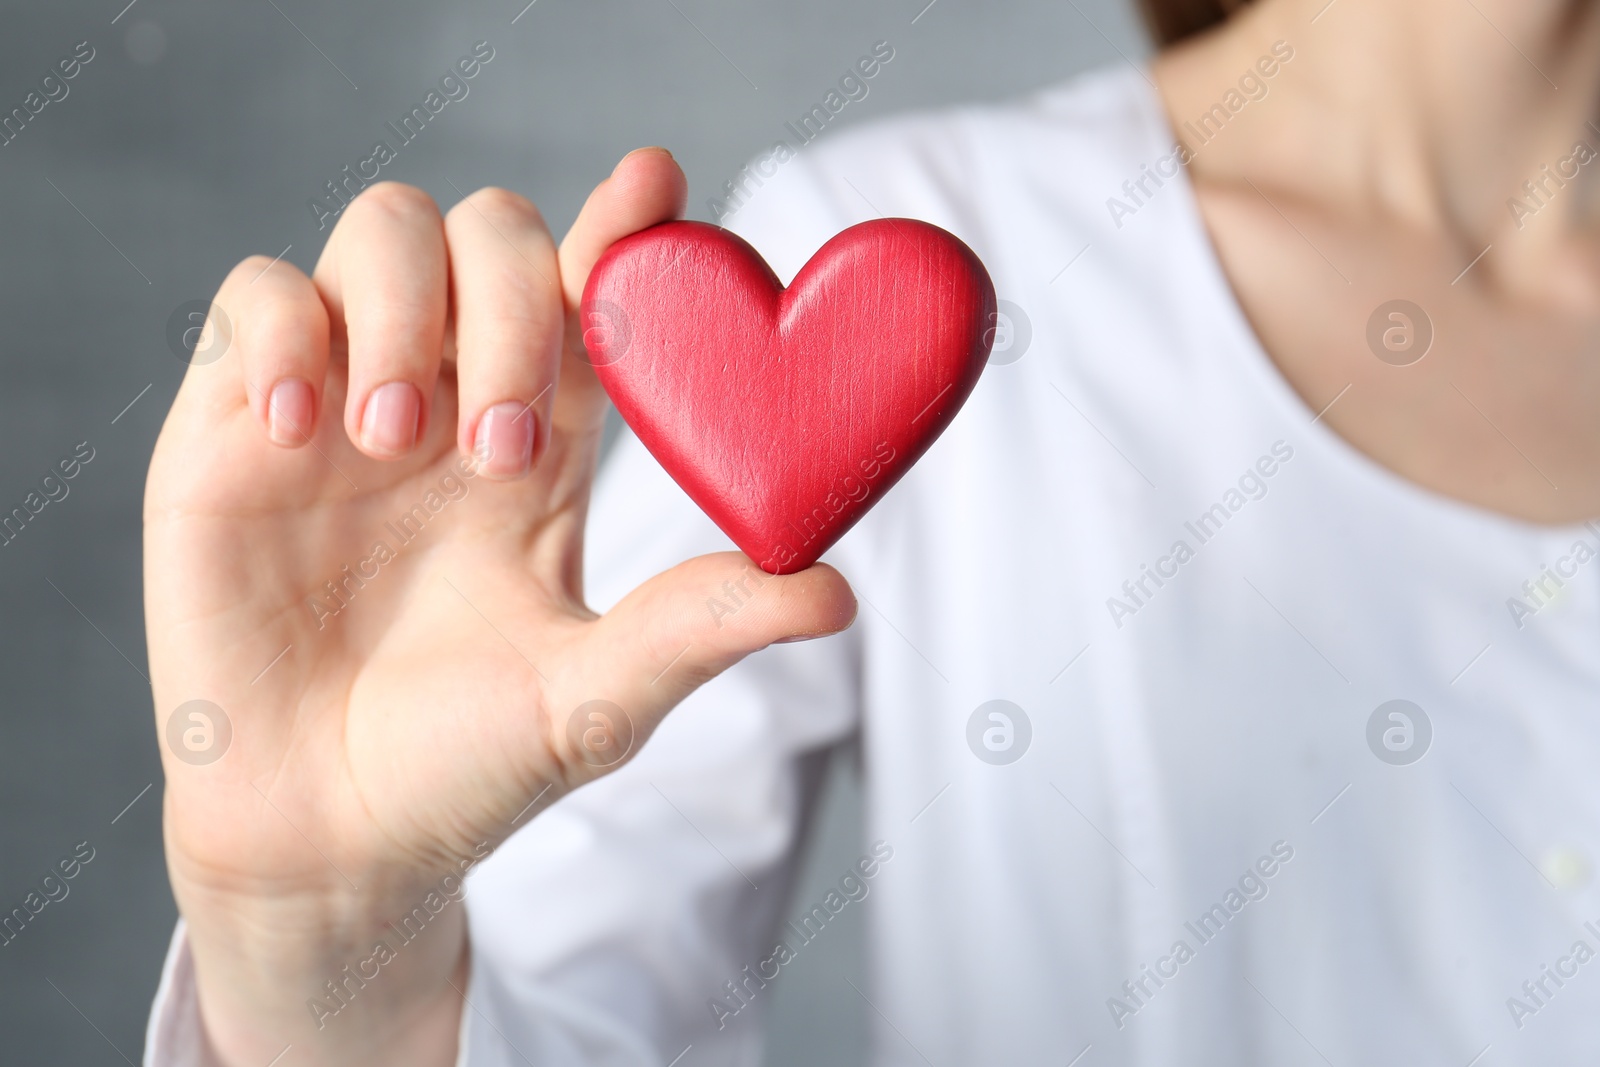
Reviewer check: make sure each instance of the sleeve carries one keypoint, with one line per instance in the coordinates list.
(625, 924)
(609, 929)
(175, 1036)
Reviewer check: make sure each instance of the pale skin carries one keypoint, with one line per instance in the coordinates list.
(1392, 143)
(410, 730)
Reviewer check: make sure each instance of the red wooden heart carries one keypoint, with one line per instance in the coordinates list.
(787, 413)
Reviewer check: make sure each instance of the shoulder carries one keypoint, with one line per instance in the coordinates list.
(974, 169)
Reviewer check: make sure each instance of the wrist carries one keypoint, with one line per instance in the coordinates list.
(348, 981)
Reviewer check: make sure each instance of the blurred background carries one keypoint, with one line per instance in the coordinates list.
(194, 137)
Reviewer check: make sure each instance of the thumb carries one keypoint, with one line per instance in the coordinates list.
(679, 630)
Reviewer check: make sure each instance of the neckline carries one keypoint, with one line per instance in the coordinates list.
(1246, 350)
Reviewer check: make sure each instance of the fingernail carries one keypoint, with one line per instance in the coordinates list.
(503, 444)
(389, 424)
(637, 151)
(289, 412)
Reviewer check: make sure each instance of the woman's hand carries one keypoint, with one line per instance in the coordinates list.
(393, 626)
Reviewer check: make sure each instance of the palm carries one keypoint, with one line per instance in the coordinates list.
(420, 681)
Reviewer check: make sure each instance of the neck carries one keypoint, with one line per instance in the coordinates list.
(1437, 115)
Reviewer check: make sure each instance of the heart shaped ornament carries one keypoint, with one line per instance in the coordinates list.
(786, 414)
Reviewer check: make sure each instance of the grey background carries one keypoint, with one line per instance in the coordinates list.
(195, 138)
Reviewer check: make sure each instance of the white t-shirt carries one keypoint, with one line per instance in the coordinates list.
(1197, 595)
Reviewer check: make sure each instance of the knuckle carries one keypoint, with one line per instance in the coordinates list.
(392, 201)
(277, 324)
(500, 206)
(383, 327)
(251, 266)
(272, 306)
(692, 676)
(249, 269)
